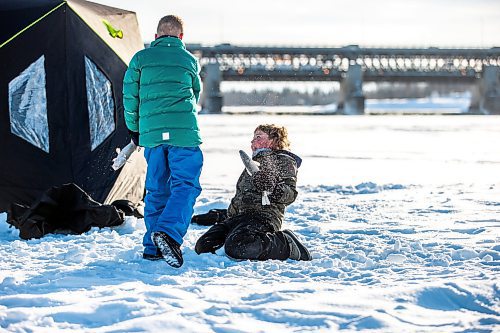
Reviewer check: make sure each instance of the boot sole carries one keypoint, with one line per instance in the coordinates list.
(168, 255)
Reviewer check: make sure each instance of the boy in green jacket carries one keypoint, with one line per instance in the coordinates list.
(161, 88)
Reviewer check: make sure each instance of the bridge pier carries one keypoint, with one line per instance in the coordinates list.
(352, 100)
(212, 96)
(489, 90)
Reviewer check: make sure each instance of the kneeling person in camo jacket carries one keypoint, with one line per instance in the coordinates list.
(251, 229)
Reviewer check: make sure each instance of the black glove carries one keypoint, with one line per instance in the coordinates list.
(134, 136)
(264, 181)
(212, 217)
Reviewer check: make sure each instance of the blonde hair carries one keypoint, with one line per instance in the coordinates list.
(278, 134)
(170, 25)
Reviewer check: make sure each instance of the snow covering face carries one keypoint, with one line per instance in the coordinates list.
(260, 141)
(400, 214)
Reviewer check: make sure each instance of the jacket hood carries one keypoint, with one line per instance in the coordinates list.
(266, 151)
(297, 159)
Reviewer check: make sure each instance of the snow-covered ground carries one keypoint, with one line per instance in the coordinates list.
(401, 214)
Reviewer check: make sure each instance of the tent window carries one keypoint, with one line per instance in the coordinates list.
(100, 104)
(28, 105)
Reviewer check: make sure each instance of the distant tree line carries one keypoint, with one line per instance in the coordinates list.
(286, 97)
(289, 96)
(416, 90)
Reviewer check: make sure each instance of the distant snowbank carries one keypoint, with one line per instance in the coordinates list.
(459, 103)
(362, 188)
(453, 104)
(281, 109)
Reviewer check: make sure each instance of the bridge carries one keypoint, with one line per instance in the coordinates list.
(351, 66)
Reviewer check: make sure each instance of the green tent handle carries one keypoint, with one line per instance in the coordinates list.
(113, 32)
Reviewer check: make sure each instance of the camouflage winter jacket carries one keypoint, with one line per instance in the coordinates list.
(283, 165)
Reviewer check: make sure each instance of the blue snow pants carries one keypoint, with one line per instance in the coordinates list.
(172, 186)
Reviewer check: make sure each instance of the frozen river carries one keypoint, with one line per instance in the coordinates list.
(400, 213)
(353, 149)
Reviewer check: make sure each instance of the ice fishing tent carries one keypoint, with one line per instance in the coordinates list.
(61, 114)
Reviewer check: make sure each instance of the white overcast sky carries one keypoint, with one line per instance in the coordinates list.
(385, 23)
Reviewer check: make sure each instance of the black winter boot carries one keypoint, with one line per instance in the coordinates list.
(297, 250)
(169, 248)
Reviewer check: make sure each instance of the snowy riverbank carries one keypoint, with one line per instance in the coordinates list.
(450, 105)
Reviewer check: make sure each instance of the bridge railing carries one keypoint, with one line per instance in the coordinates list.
(323, 64)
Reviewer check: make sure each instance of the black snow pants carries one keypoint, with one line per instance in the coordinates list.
(252, 236)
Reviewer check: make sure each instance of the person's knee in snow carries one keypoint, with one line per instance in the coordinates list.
(244, 246)
(212, 240)
(208, 244)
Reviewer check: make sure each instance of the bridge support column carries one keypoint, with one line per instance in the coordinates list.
(212, 96)
(352, 100)
(489, 90)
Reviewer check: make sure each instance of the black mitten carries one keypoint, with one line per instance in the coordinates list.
(264, 181)
(134, 136)
(212, 217)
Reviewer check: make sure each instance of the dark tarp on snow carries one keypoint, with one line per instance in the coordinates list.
(65, 208)
(61, 112)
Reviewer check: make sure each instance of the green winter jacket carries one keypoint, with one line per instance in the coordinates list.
(161, 88)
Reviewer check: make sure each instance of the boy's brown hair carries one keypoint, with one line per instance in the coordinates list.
(170, 25)
(278, 134)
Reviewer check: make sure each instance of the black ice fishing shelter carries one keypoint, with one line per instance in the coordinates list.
(61, 114)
